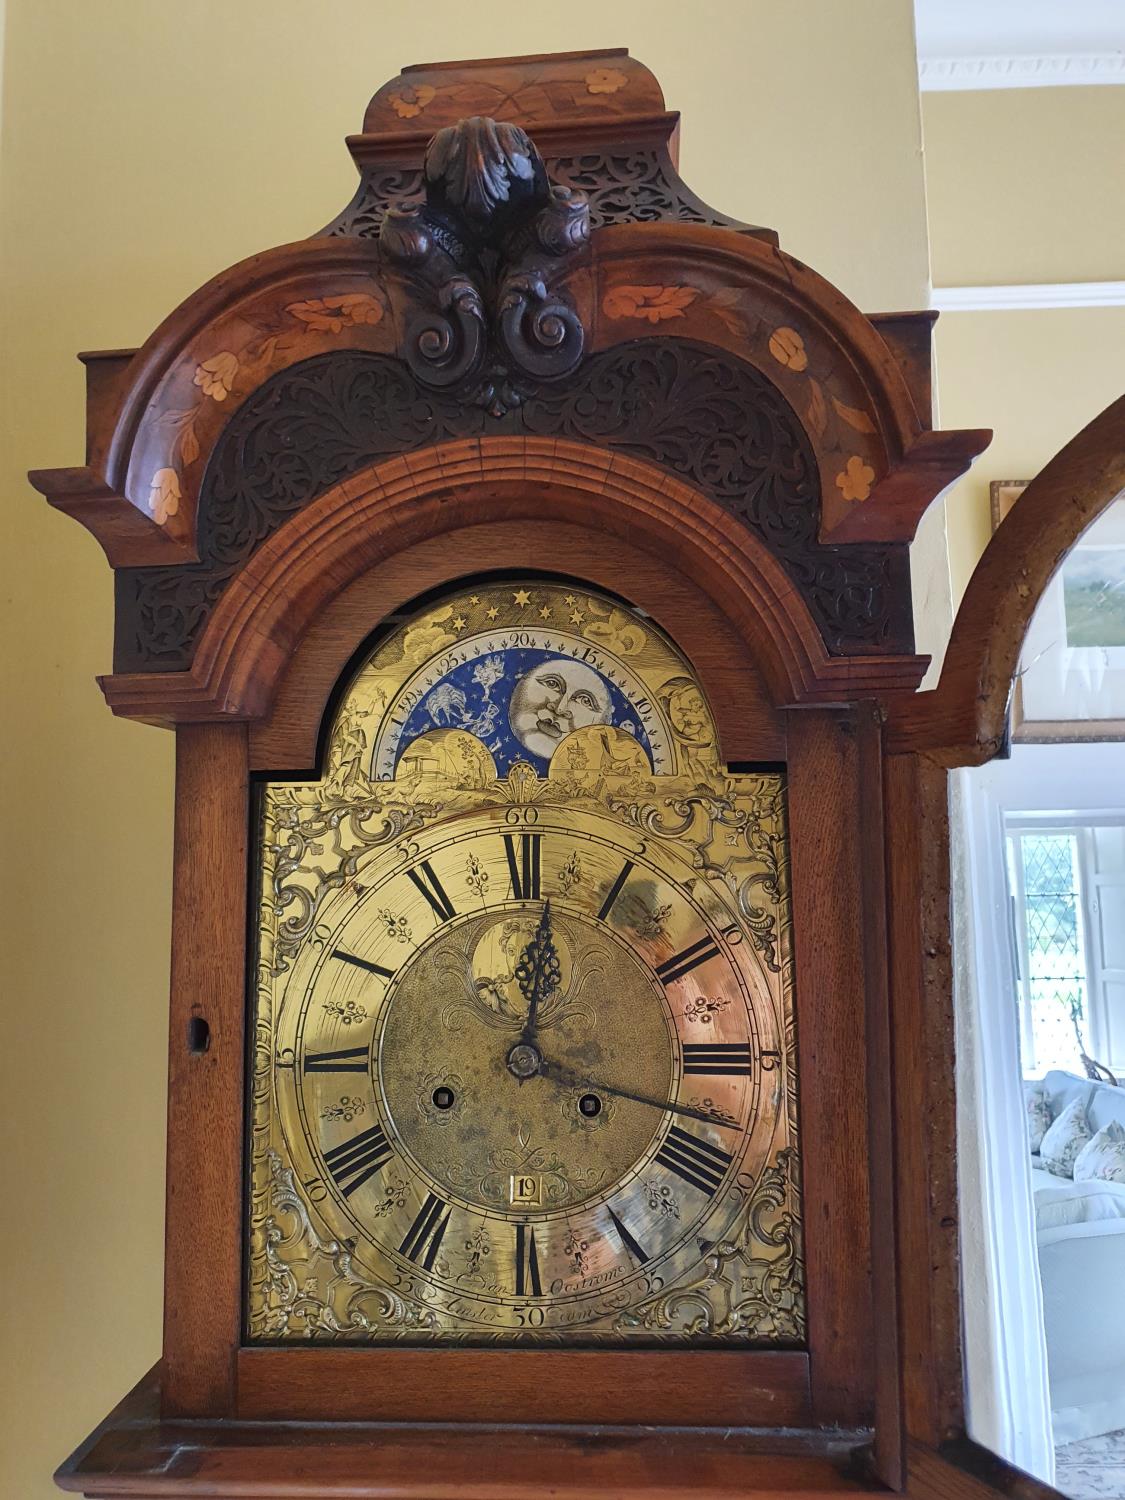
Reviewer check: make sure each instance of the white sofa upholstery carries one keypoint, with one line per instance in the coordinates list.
(1082, 1265)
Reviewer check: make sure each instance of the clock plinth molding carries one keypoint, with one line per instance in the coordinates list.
(554, 357)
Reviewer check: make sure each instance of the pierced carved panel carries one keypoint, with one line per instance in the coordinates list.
(624, 187)
(692, 409)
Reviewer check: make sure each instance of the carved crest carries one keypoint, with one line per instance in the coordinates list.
(485, 245)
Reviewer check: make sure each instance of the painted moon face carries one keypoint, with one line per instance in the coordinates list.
(552, 700)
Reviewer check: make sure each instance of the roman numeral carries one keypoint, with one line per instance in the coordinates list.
(697, 1162)
(362, 963)
(424, 1236)
(358, 1159)
(626, 1238)
(615, 890)
(527, 1263)
(720, 1060)
(525, 871)
(433, 890)
(682, 963)
(350, 1060)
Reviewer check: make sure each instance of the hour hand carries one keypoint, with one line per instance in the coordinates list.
(538, 973)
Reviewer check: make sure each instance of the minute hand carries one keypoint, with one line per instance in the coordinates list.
(575, 1080)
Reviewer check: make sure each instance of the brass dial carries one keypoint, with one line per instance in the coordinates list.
(527, 1067)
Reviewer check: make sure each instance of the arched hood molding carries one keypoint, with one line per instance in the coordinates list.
(372, 516)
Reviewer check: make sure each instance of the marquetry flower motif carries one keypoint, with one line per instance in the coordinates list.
(334, 314)
(409, 102)
(788, 348)
(215, 377)
(164, 495)
(855, 480)
(605, 81)
(652, 303)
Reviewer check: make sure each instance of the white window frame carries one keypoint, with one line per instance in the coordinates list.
(1097, 1026)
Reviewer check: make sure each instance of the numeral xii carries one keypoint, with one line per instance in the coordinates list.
(525, 870)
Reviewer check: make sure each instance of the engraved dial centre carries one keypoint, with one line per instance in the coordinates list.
(458, 1020)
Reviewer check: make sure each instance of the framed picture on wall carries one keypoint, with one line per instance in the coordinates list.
(1071, 679)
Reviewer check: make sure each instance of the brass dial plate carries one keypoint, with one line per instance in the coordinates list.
(524, 1033)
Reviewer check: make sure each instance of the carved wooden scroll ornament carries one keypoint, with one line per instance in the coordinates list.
(485, 244)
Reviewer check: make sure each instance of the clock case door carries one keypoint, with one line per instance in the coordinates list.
(406, 1099)
(658, 402)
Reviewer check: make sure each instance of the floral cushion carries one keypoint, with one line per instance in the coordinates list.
(1103, 1158)
(1037, 1102)
(1059, 1148)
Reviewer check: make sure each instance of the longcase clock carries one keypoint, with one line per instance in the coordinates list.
(521, 562)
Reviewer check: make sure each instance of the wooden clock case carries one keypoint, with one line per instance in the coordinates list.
(621, 383)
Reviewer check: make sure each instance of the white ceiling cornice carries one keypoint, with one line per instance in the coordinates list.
(1003, 44)
(1012, 298)
(941, 74)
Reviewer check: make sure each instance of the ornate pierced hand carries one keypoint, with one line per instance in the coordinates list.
(569, 1079)
(538, 973)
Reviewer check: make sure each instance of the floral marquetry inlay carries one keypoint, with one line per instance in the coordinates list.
(545, 935)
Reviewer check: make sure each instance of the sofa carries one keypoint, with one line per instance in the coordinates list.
(1080, 1233)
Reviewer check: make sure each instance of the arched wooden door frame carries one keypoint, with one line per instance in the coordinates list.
(964, 720)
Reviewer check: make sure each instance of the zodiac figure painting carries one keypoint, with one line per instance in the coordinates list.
(691, 723)
(521, 703)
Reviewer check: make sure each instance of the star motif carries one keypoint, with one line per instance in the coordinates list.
(474, 599)
(460, 622)
(545, 612)
(492, 612)
(576, 617)
(571, 600)
(521, 597)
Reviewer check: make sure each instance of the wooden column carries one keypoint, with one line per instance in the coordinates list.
(202, 1288)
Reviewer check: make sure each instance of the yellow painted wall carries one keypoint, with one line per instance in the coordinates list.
(145, 144)
(1023, 187)
(1036, 378)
